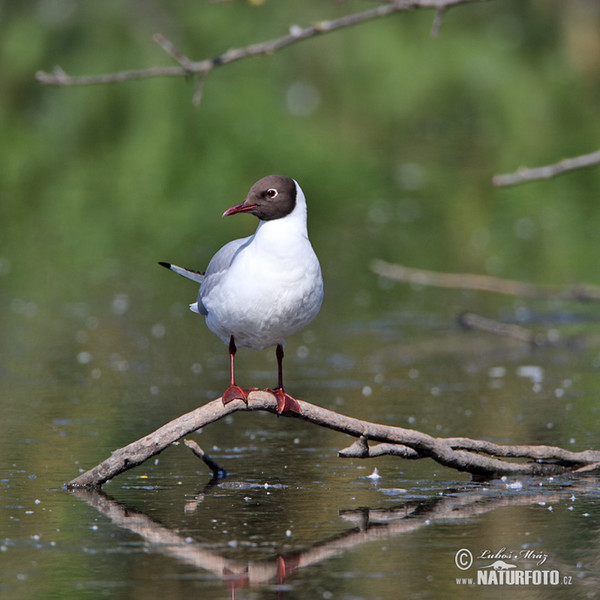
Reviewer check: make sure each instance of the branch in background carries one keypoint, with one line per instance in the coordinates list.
(524, 174)
(484, 460)
(204, 67)
(483, 283)
(470, 320)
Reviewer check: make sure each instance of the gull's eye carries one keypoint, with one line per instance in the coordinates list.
(272, 193)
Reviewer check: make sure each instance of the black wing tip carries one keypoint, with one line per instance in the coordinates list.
(166, 265)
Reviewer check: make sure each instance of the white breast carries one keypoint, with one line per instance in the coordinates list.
(272, 287)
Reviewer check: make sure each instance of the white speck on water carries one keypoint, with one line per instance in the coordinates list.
(158, 330)
(553, 335)
(517, 485)
(302, 352)
(497, 372)
(83, 358)
(533, 372)
(120, 304)
(374, 475)
(367, 390)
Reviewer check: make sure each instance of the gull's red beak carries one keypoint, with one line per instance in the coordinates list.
(239, 208)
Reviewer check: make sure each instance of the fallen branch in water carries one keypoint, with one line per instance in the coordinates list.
(483, 283)
(296, 34)
(525, 174)
(470, 320)
(484, 460)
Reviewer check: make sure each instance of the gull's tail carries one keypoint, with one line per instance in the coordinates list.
(196, 276)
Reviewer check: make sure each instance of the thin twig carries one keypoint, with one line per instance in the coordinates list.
(480, 458)
(203, 67)
(525, 174)
(438, 20)
(484, 283)
(217, 471)
(172, 51)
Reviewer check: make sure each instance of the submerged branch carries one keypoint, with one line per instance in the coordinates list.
(484, 460)
(483, 283)
(470, 320)
(217, 471)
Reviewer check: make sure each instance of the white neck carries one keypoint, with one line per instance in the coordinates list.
(287, 229)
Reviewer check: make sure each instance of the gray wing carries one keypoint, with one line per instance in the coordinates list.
(217, 267)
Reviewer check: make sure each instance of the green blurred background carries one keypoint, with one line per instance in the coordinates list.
(394, 136)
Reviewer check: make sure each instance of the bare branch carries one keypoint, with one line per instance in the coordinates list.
(203, 67)
(525, 174)
(480, 458)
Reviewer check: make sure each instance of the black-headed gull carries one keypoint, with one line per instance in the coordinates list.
(260, 289)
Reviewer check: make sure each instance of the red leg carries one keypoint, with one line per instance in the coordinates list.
(285, 402)
(233, 392)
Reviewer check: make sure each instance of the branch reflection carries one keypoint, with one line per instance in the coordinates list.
(367, 525)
